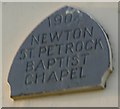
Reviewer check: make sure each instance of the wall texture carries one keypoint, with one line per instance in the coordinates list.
(1, 52)
(19, 19)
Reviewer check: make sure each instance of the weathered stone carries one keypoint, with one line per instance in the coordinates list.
(68, 51)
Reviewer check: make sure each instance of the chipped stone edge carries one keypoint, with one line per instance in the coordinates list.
(110, 68)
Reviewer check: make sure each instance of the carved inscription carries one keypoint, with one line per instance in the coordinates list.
(77, 45)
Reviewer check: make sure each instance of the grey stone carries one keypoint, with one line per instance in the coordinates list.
(66, 52)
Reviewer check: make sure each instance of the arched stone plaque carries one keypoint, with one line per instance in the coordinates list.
(66, 52)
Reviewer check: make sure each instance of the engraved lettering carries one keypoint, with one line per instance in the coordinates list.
(68, 32)
(77, 33)
(60, 59)
(89, 45)
(55, 36)
(40, 65)
(69, 47)
(30, 66)
(68, 18)
(40, 77)
(58, 19)
(81, 73)
(59, 48)
(73, 73)
(31, 52)
(42, 50)
(50, 49)
(29, 79)
(63, 74)
(77, 19)
(88, 31)
(44, 36)
(67, 61)
(79, 46)
(75, 60)
(23, 54)
(49, 21)
(51, 62)
(26, 53)
(53, 76)
(98, 42)
(84, 57)
(34, 40)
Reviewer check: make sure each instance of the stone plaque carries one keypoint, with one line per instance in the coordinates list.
(66, 52)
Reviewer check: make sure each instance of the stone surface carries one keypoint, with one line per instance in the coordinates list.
(66, 52)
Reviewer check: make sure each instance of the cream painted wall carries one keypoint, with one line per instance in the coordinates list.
(1, 54)
(19, 19)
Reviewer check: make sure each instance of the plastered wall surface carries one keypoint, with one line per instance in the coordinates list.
(19, 19)
(1, 52)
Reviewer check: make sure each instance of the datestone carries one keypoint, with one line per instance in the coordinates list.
(66, 52)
